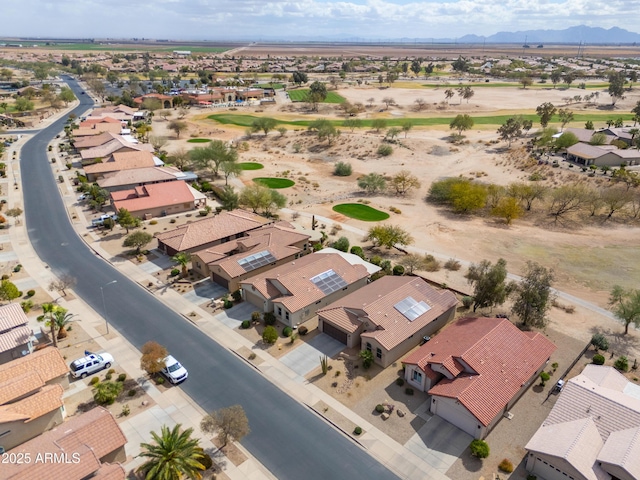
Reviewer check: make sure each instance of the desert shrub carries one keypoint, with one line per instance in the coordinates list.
(245, 324)
(174, 272)
(111, 371)
(479, 448)
(400, 381)
(398, 270)
(227, 304)
(287, 331)
(31, 293)
(107, 392)
(385, 150)
(342, 169)
(622, 364)
(467, 301)
(341, 244)
(386, 266)
(108, 376)
(132, 392)
(255, 316)
(408, 391)
(431, 264)
(367, 358)
(236, 295)
(334, 384)
(17, 268)
(357, 431)
(506, 466)
(270, 335)
(357, 250)
(252, 356)
(452, 264)
(379, 408)
(600, 342)
(269, 318)
(159, 380)
(94, 380)
(122, 377)
(303, 330)
(598, 359)
(153, 222)
(544, 377)
(376, 260)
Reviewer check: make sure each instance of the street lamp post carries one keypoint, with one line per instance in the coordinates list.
(104, 305)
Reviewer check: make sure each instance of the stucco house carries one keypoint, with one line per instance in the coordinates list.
(16, 337)
(159, 199)
(31, 391)
(592, 431)
(108, 146)
(476, 369)
(260, 250)
(388, 317)
(90, 445)
(296, 290)
(136, 177)
(602, 155)
(210, 231)
(119, 161)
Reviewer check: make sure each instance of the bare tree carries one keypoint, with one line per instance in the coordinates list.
(388, 101)
(64, 281)
(230, 423)
(420, 104)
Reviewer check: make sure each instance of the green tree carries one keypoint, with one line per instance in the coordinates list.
(567, 198)
(625, 305)
(138, 240)
(407, 125)
(479, 448)
(378, 124)
(265, 124)
(62, 319)
(372, 183)
(566, 140)
(403, 182)
(467, 197)
(173, 455)
(213, 155)
(230, 424)
(546, 111)
(510, 130)
(525, 82)
(229, 199)
(461, 122)
(22, 104)
(106, 393)
(598, 138)
(48, 310)
(317, 94)
(153, 355)
(182, 259)
(416, 67)
(588, 125)
(180, 158)
(13, 212)
(299, 78)
(461, 64)
(367, 358)
(448, 94)
(260, 198)
(66, 95)
(352, 123)
(177, 127)
(615, 198)
(389, 236)
(508, 208)
(569, 78)
(342, 169)
(8, 291)
(527, 193)
(270, 335)
(566, 116)
(230, 169)
(556, 76)
(489, 283)
(128, 221)
(533, 295)
(616, 86)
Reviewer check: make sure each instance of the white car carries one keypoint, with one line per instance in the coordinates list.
(174, 371)
(90, 364)
(84, 196)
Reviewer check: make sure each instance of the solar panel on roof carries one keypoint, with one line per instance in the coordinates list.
(328, 282)
(412, 309)
(256, 260)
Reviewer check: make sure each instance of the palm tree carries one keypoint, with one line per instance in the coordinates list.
(182, 259)
(174, 455)
(48, 310)
(62, 318)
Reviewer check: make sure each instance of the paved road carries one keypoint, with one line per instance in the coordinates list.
(289, 440)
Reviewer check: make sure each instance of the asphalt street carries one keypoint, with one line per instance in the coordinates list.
(285, 437)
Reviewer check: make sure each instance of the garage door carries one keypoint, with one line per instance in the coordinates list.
(220, 281)
(455, 416)
(334, 332)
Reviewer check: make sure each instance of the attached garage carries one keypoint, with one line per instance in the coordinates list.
(334, 332)
(220, 280)
(456, 414)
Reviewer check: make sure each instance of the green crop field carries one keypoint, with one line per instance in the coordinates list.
(247, 120)
(301, 95)
(361, 212)
(250, 166)
(198, 140)
(275, 183)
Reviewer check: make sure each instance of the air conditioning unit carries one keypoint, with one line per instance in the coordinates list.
(508, 415)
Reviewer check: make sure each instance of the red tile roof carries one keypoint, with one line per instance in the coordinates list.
(48, 399)
(48, 363)
(500, 359)
(152, 196)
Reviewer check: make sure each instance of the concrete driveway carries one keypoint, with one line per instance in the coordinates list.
(306, 357)
(439, 443)
(205, 291)
(233, 317)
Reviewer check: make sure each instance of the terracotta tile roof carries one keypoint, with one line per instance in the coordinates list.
(19, 386)
(14, 338)
(12, 316)
(295, 279)
(116, 144)
(105, 111)
(376, 302)
(94, 121)
(97, 129)
(141, 175)
(92, 435)
(500, 359)
(156, 195)
(211, 229)
(94, 140)
(122, 161)
(46, 400)
(48, 363)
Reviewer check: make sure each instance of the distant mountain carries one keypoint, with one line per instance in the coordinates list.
(582, 33)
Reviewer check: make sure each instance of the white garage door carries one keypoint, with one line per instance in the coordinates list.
(455, 414)
(546, 471)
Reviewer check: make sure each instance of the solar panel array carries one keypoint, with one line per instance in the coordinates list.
(328, 282)
(256, 260)
(411, 309)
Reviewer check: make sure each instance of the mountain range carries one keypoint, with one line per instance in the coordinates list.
(582, 33)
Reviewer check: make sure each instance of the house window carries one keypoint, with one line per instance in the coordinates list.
(417, 376)
(279, 311)
(368, 346)
(197, 264)
(286, 315)
(379, 352)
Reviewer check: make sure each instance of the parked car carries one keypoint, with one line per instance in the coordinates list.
(82, 197)
(98, 222)
(90, 363)
(174, 371)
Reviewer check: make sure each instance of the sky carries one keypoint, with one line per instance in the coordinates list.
(296, 19)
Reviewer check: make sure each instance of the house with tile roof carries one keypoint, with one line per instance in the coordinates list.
(592, 431)
(90, 445)
(158, 199)
(388, 317)
(119, 161)
(16, 337)
(476, 369)
(210, 231)
(258, 251)
(31, 392)
(136, 177)
(109, 145)
(601, 155)
(296, 290)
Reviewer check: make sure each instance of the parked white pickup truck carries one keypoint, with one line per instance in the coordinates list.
(98, 222)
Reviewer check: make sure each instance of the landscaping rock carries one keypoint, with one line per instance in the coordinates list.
(384, 416)
(400, 413)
